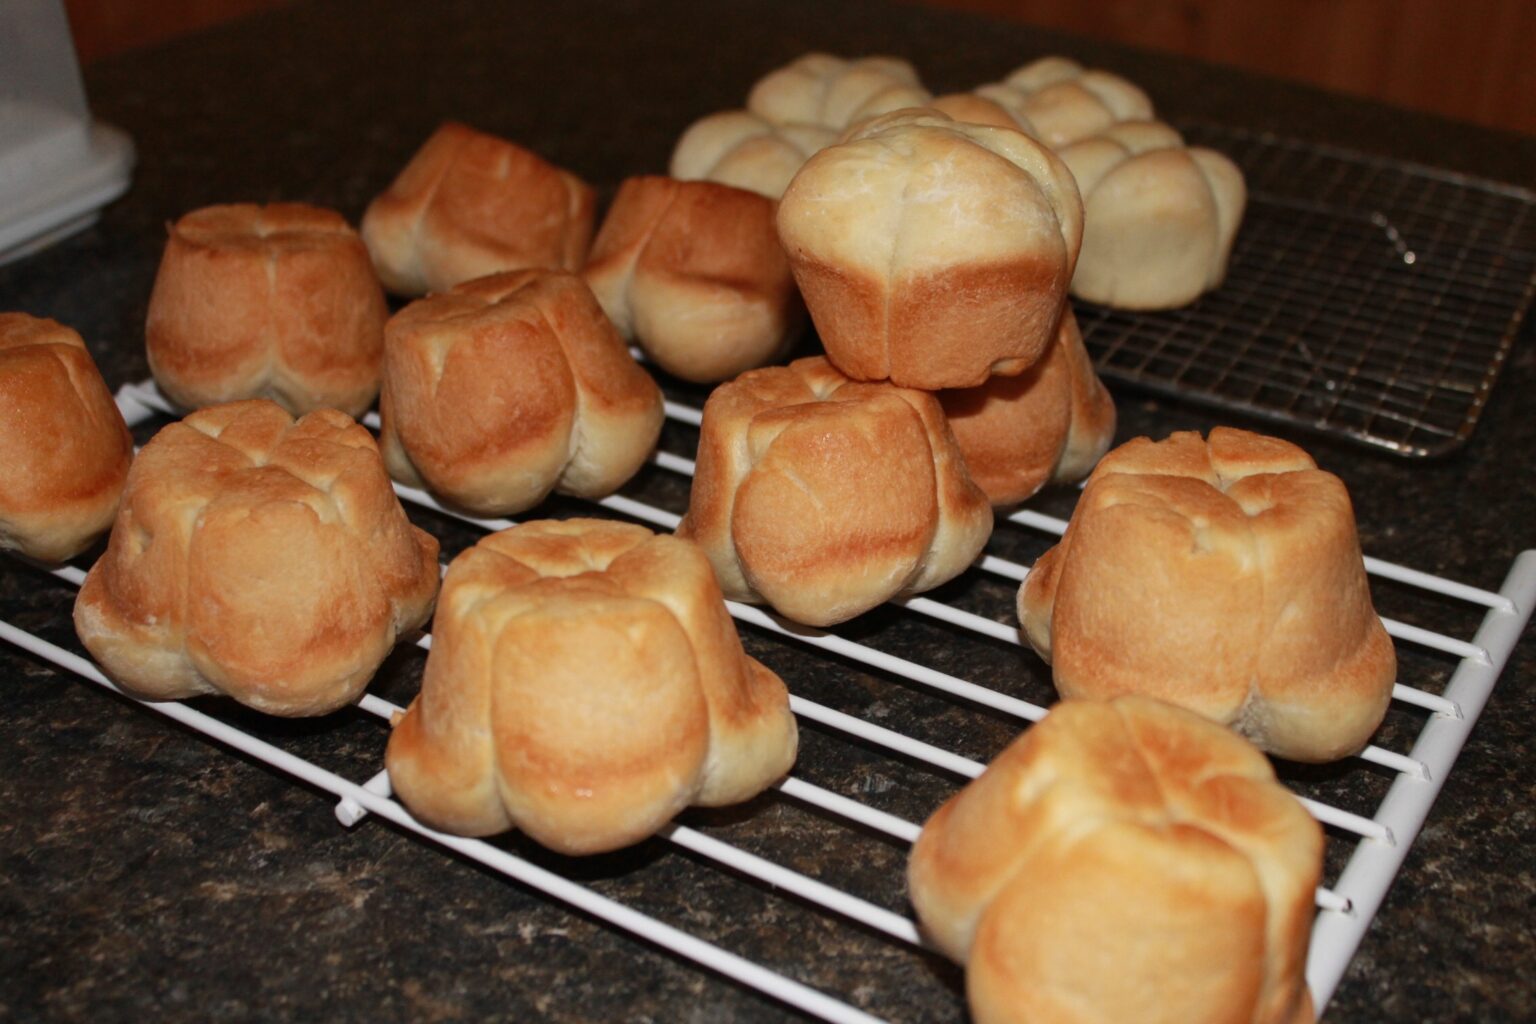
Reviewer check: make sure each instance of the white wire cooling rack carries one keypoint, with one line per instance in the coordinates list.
(1346, 906)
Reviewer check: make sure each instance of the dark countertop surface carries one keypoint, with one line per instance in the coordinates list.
(148, 873)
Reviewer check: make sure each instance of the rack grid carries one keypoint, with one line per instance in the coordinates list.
(1369, 298)
(1378, 841)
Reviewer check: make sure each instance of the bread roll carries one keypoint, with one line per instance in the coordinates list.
(824, 497)
(510, 386)
(63, 442)
(738, 148)
(274, 301)
(821, 89)
(693, 271)
(1059, 101)
(1159, 217)
(1226, 577)
(470, 204)
(259, 557)
(1123, 861)
(1050, 424)
(974, 109)
(585, 684)
(931, 252)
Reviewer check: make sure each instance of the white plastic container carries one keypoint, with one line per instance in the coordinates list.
(57, 166)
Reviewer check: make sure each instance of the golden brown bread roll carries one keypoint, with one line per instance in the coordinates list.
(259, 557)
(824, 497)
(470, 204)
(932, 252)
(274, 301)
(738, 148)
(63, 444)
(821, 89)
(1058, 101)
(693, 271)
(585, 684)
(1050, 424)
(1159, 217)
(1123, 861)
(510, 386)
(1226, 577)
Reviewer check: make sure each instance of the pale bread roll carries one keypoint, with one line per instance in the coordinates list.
(585, 684)
(259, 557)
(932, 252)
(740, 149)
(1123, 861)
(694, 273)
(834, 92)
(276, 301)
(470, 204)
(511, 386)
(1159, 217)
(1050, 424)
(1224, 576)
(824, 497)
(63, 442)
(1059, 101)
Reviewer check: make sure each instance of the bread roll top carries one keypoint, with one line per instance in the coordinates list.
(512, 385)
(63, 442)
(470, 204)
(1124, 860)
(694, 272)
(786, 506)
(585, 684)
(276, 301)
(257, 556)
(821, 89)
(1224, 576)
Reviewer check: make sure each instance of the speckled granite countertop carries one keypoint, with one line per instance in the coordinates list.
(146, 873)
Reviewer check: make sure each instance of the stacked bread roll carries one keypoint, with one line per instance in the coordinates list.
(63, 444)
(274, 301)
(1223, 575)
(510, 386)
(260, 557)
(585, 684)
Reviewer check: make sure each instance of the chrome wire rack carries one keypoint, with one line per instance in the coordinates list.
(1366, 846)
(1365, 297)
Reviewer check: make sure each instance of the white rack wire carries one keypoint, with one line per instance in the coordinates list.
(1345, 910)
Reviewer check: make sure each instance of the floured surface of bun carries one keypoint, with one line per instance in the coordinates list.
(1224, 576)
(276, 301)
(585, 684)
(510, 386)
(1123, 861)
(824, 497)
(1050, 424)
(470, 204)
(63, 444)
(260, 557)
(931, 252)
(693, 271)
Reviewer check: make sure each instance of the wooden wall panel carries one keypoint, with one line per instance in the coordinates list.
(1468, 59)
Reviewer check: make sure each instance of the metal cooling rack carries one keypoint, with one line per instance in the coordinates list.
(1365, 297)
(1377, 843)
